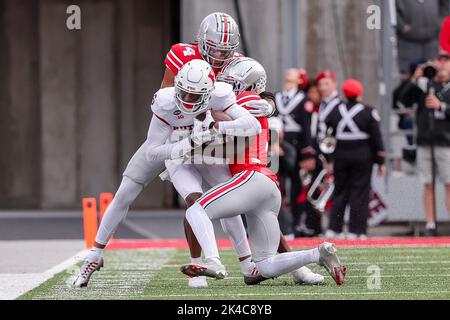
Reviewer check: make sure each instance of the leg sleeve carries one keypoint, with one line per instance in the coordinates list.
(118, 209)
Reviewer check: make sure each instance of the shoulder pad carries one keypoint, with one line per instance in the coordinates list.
(222, 89)
(222, 96)
(164, 100)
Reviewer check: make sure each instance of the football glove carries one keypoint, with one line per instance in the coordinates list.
(200, 137)
(260, 108)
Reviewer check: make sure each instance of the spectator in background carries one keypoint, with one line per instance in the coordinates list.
(418, 26)
(405, 107)
(433, 129)
(312, 225)
(359, 146)
(294, 109)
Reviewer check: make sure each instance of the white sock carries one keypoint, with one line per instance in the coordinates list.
(235, 230)
(431, 225)
(203, 229)
(94, 254)
(197, 260)
(246, 265)
(117, 209)
(287, 262)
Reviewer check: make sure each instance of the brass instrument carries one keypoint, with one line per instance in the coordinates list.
(324, 185)
(328, 144)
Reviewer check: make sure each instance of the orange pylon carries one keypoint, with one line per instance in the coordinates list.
(105, 200)
(90, 220)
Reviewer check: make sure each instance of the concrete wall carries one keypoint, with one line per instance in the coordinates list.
(74, 105)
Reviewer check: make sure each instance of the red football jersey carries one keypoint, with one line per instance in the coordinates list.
(182, 53)
(256, 155)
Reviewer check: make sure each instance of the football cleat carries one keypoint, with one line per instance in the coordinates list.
(306, 276)
(86, 271)
(198, 282)
(253, 277)
(212, 269)
(330, 261)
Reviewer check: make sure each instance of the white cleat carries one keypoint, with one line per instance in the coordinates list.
(198, 282)
(212, 268)
(330, 261)
(307, 277)
(86, 271)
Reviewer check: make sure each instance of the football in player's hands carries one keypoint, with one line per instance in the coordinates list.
(220, 116)
(201, 116)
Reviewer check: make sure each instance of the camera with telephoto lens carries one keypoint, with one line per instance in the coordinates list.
(429, 70)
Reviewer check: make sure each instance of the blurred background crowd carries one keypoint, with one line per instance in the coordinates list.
(420, 104)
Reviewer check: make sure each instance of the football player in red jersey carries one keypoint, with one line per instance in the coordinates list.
(253, 190)
(217, 41)
(248, 78)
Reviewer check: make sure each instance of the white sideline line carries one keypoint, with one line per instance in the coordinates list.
(14, 285)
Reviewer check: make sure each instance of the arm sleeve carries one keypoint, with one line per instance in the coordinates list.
(157, 148)
(244, 124)
(377, 140)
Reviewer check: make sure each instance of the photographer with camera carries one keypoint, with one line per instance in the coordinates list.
(430, 90)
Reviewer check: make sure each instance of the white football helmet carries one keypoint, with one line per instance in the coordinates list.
(194, 84)
(218, 38)
(244, 74)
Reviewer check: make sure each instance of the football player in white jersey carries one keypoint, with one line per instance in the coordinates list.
(169, 137)
(139, 172)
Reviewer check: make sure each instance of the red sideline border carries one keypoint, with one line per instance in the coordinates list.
(303, 242)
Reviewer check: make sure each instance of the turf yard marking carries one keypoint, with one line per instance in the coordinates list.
(300, 294)
(406, 273)
(126, 276)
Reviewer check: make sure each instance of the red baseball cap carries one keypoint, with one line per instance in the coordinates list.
(304, 78)
(325, 74)
(352, 88)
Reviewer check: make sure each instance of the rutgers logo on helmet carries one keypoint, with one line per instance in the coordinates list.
(218, 38)
(194, 84)
(244, 74)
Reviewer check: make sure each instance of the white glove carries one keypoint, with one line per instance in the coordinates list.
(208, 120)
(260, 108)
(199, 136)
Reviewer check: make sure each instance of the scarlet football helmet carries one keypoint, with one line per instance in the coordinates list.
(218, 38)
(244, 74)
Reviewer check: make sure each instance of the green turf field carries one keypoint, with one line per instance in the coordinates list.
(406, 273)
